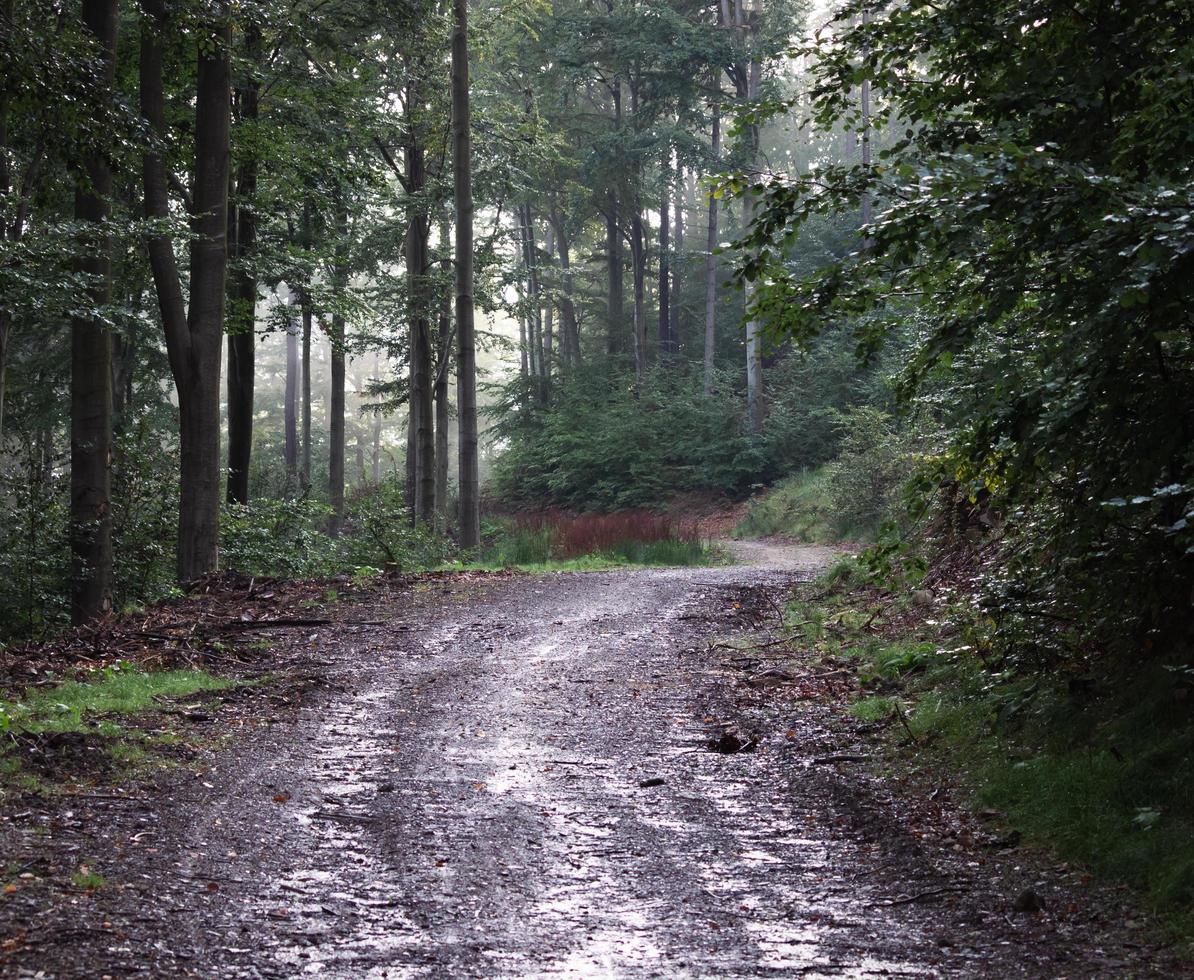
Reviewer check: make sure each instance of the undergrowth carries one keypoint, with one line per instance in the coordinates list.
(1097, 768)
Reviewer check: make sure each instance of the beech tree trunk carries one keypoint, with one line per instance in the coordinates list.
(305, 373)
(290, 399)
(418, 266)
(569, 334)
(442, 362)
(616, 303)
(677, 255)
(466, 366)
(466, 336)
(91, 366)
(754, 345)
(639, 270)
(243, 313)
(336, 446)
(711, 264)
(193, 337)
(666, 345)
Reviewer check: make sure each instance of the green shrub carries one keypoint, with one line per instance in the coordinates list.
(277, 537)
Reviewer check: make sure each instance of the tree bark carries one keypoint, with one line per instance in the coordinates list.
(242, 318)
(711, 263)
(616, 303)
(336, 338)
(569, 335)
(193, 337)
(442, 361)
(639, 271)
(754, 345)
(290, 399)
(305, 374)
(677, 260)
(666, 346)
(466, 367)
(91, 364)
(422, 396)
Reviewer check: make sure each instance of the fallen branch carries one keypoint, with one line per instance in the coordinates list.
(922, 896)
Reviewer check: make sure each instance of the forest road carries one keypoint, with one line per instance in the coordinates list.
(515, 779)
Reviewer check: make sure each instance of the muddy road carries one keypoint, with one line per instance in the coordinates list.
(515, 779)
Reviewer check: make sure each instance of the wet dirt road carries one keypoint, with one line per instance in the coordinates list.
(518, 782)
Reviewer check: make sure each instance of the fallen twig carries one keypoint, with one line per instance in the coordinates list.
(922, 896)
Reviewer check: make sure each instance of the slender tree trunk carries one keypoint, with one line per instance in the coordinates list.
(290, 399)
(616, 303)
(569, 335)
(91, 367)
(422, 396)
(442, 362)
(535, 323)
(5, 330)
(754, 346)
(711, 264)
(466, 368)
(193, 338)
(242, 318)
(639, 269)
(548, 305)
(677, 261)
(336, 446)
(305, 375)
(865, 210)
(666, 345)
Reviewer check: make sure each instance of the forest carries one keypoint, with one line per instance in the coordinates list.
(850, 341)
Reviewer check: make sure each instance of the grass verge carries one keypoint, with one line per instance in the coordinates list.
(92, 725)
(1096, 769)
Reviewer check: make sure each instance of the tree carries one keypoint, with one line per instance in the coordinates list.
(1036, 207)
(91, 358)
(194, 330)
(242, 242)
(466, 368)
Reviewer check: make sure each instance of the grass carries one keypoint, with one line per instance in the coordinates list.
(1101, 774)
(75, 706)
(590, 542)
(104, 707)
(799, 507)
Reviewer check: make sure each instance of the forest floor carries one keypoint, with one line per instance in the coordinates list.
(570, 774)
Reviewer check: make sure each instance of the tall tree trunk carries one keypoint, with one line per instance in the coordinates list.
(5, 330)
(193, 337)
(91, 366)
(466, 367)
(290, 399)
(569, 335)
(418, 267)
(865, 211)
(711, 263)
(535, 322)
(336, 337)
(638, 261)
(305, 384)
(616, 303)
(442, 362)
(243, 314)
(548, 305)
(666, 344)
(754, 345)
(677, 260)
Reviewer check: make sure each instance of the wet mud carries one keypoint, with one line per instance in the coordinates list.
(531, 777)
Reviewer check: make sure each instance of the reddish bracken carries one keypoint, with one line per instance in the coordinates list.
(586, 534)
